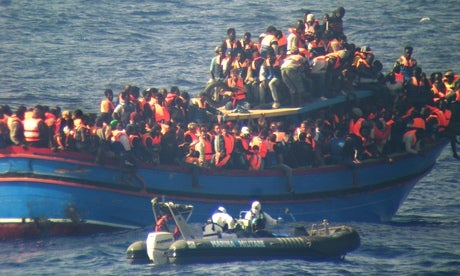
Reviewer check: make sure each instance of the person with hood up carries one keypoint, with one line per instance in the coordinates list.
(258, 218)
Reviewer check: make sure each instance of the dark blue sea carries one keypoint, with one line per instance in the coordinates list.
(66, 53)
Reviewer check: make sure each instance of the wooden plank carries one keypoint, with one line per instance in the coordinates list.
(287, 111)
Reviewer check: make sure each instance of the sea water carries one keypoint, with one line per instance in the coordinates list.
(66, 53)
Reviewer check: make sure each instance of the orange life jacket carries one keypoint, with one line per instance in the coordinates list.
(207, 150)
(412, 133)
(382, 136)
(31, 129)
(255, 162)
(161, 113)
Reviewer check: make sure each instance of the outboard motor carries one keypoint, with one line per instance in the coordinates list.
(158, 244)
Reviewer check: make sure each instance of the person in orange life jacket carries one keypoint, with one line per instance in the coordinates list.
(204, 148)
(248, 45)
(82, 135)
(200, 111)
(296, 40)
(16, 126)
(413, 137)
(241, 63)
(406, 63)
(262, 145)
(268, 41)
(311, 25)
(453, 100)
(270, 77)
(120, 144)
(171, 96)
(107, 106)
(438, 88)
(231, 46)
(418, 89)
(216, 69)
(381, 134)
(255, 160)
(36, 132)
(259, 219)
(237, 91)
(281, 42)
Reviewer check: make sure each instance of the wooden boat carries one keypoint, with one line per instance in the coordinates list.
(59, 193)
(161, 247)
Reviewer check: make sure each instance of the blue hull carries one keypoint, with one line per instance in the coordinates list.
(46, 193)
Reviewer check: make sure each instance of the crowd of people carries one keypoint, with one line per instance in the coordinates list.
(168, 127)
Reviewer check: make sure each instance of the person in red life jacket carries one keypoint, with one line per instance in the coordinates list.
(36, 132)
(281, 42)
(453, 100)
(160, 111)
(406, 63)
(237, 92)
(107, 106)
(16, 126)
(270, 77)
(413, 137)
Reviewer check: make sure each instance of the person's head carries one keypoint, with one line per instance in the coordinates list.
(449, 76)
(408, 51)
(108, 93)
(218, 50)
(247, 36)
(231, 33)
(271, 30)
(310, 19)
(256, 207)
(340, 12)
(221, 209)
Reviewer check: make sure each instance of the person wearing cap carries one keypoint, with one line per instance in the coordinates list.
(223, 219)
(258, 218)
(311, 25)
(413, 137)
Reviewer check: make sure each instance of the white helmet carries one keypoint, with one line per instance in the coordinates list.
(255, 207)
(221, 209)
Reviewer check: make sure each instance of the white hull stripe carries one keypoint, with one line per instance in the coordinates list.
(58, 221)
